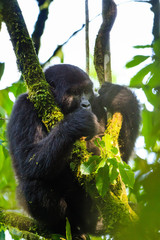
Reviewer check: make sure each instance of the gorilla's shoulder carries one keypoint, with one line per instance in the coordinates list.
(23, 104)
(23, 99)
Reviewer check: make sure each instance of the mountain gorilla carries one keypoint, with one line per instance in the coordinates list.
(48, 189)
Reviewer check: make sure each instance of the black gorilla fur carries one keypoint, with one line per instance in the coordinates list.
(47, 187)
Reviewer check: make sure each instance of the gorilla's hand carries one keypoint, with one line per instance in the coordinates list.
(82, 123)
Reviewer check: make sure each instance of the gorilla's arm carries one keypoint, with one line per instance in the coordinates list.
(37, 154)
(120, 99)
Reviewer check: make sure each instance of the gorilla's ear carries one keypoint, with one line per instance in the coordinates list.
(49, 79)
(53, 89)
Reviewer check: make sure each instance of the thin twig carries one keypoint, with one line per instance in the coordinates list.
(87, 35)
(40, 23)
(60, 46)
(4, 119)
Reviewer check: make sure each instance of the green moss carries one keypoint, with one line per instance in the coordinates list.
(44, 103)
(79, 154)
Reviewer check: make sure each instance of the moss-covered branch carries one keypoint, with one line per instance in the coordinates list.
(29, 228)
(114, 209)
(28, 64)
(102, 46)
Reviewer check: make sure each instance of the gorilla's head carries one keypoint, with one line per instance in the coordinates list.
(71, 87)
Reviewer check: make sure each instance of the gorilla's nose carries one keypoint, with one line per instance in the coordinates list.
(85, 104)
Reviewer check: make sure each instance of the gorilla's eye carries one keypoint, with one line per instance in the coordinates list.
(73, 92)
(87, 95)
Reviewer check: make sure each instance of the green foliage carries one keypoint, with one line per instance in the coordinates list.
(7, 183)
(142, 46)
(7, 180)
(91, 165)
(151, 129)
(102, 180)
(126, 174)
(146, 191)
(136, 61)
(17, 88)
(107, 166)
(68, 230)
(2, 235)
(148, 80)
(1, 69)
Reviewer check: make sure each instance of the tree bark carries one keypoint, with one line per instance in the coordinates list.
(29, 227)
(28, 64)
(156, 20)
(102, 58)
(87, 35)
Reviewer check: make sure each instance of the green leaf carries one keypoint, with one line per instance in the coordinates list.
(2, 65)
(5, 101)
(68, 230)
(60, 54)
(2, 235)
(127, 174)
(143, 46)
(126, 165)
(150, 130)
(17, 88)
(102, 180)
(113, 169)
(156, 47)
(1, 121)
(1, 142)
(90, 166)
(113, 173)
(101, 163)
(2, 116)
(153, 98)
(136, 81)
(2, 157)
(113, 161)
(114, 150)
(136, 61)
(99, 143)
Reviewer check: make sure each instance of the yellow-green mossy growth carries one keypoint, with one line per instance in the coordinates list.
(79, 154)
(44, 103)
(113, 207)
(113, 127)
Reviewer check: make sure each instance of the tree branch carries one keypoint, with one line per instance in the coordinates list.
(28, 64)
(114, 209)
(102, 46)
(28, 226)
(40, 24)
(156, 20)
(87, 35)
(59, 47)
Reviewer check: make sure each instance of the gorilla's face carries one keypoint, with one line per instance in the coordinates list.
(70, 102)
(71, 87)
